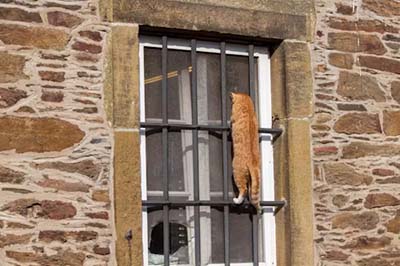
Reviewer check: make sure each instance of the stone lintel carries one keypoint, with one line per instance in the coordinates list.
(288, 20)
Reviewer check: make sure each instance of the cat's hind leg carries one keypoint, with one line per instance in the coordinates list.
(241, 178)
(239, 199)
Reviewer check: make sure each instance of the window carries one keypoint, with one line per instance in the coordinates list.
(188, 214)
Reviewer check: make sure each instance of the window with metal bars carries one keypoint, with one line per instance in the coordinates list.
(189, 217)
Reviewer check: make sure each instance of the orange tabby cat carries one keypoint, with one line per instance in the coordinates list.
(246, 150)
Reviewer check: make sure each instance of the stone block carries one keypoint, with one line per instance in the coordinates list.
(364, 221)
(37, 134)
(391, 123)
(299, 87)
(359, 149)
(341, 60)
(358, 123)
(127, 197)
(379, 200)
(386, 8)
(34, 36)
(356, 42)
(343, 174)
(380, 63)
(58, 18)
(125, 50)
(300, 191)
(11, 68)
(17, 14)
(352, 86)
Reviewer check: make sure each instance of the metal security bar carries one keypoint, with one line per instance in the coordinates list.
(164, 144)
(225, 154)
(165, 204)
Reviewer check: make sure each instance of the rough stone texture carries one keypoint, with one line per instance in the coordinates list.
(86, 167)
(101, 250)
(343, 174)
(381, 63)
(380, 200)
(93, 35)
(358, 123)
(51, 209)
(357, 89)
(37, 134)
(365, 242)
(17, 14)
(382, 172)
(86, 47)
(58, 18)
(391, 123)
(8, 175)
(363, 221)
(39, 37)
(393, 225)
(52, 96)
(51, 157)
(66, 257)
(64, 236)
(10, 97)
(52, 76)
(361, 25)
(268, 19)
(11, 67)
(9, 239)
(361, 149)
(341, 60)
(351, 42)
(395, 90)
(385, 8)
(63, 185)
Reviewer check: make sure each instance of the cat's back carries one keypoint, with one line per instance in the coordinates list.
(244, 127)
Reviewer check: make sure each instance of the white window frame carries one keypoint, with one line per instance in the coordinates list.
(265, 121)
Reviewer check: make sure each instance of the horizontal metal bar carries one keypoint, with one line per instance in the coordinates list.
(179, 203)
(275, 131)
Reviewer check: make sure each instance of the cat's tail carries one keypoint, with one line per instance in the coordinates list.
(255, 174)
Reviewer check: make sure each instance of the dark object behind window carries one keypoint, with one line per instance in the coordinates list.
(178, 238)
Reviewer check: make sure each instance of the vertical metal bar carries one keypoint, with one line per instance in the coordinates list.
(251, 74)
(164, 144)
(255, 239)
(195, 145)
(253, 97)
(225, 153)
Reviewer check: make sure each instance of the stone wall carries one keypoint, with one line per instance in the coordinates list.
(356, 131)
(55, 144)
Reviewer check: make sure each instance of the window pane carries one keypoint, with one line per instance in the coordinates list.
(179, 85)
(179, 161)
(153, 77)
(179, 77)
(181, 236)
(208, 88)
(240, 235)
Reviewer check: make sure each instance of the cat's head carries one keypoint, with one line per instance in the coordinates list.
(237, 96)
